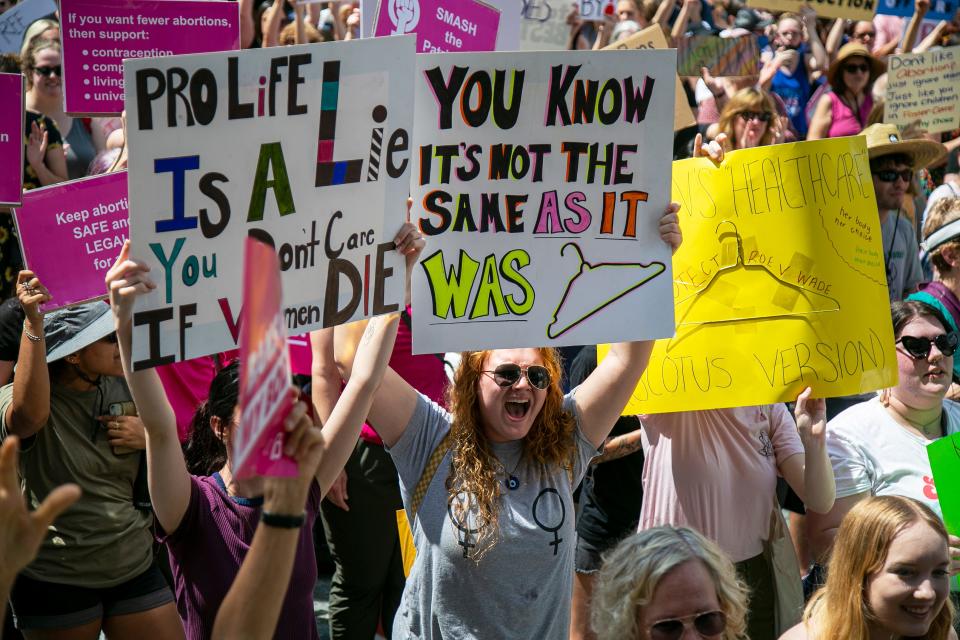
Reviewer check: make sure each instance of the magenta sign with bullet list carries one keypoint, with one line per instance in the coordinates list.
(98, 35)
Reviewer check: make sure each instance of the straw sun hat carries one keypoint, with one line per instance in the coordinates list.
(850, 50)
(884, 140)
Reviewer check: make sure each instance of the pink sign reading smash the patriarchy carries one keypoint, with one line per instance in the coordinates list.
(11, 138)
(440, 25)
(98, 34)
(264, 369)
(71, 233)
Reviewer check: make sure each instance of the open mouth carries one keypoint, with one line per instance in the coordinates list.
(517, 409)
(917, 612)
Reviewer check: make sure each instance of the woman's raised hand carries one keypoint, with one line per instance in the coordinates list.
(127, 279)
(811, 416)
(31, 293)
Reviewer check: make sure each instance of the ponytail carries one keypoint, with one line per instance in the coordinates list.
(205, 452)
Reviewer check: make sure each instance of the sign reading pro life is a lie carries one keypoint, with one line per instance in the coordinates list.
(539, 181)
(304, 147)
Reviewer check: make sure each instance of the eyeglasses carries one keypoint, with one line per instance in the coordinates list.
(856, 68)
(761, 116)
(507, 375)
(46, 72)
(890, 175)
(711, 623)
(919, 348)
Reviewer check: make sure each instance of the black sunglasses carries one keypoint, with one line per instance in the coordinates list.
(762, 116)
(46, 72)
(919, 348)
(507, 375)
(854, 68)
(891, 176)
(711, 623)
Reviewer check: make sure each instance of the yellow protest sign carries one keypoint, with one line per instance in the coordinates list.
(851, 9)
(779, 284)
(653, 38)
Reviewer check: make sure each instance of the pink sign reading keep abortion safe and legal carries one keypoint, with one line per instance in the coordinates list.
(440, 25)
(71, 233)
(98, 34)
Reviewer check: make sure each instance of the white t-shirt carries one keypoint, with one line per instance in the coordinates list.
(872, 453)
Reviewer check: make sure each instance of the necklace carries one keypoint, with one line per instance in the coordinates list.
(512, 481)
(922, 427)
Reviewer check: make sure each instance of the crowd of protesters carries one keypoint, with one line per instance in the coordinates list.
(120, 513)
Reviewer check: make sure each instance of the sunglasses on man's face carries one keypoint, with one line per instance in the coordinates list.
(46, 72)
(891, 176)
(507, 375)
(919, 348)
(761, 116)
(709, 624)
(856, 68)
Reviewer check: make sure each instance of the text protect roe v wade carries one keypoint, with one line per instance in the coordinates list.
(305, 147)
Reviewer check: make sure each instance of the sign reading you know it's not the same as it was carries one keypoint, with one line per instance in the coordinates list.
(98, 35)
(539, 181)
(306, 147)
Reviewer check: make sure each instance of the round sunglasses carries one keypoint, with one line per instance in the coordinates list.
(919, 348)
(708, 624)
(507, 375)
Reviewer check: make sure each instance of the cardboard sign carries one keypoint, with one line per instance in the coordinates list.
(98, 35)
(540, 179)
(722, 56)
(543, 26)
(653, 38)
(596, 10)
(851, 9)
(467, 25)
(307, 147)
(925, 87)
(15, 20)
(264, 370)
(939, 9)
(12, 125)
(779, 284)
(70, 235)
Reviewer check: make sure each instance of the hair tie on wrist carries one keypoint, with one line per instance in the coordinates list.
(283, 521)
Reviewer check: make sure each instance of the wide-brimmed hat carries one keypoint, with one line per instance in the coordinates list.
(884, 139)
(848, 51)
(68, 330)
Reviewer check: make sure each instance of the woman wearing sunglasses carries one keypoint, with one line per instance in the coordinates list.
(878, 447)
(668, 583)
(889, 576)
(843, 111)
(749, 119)
(45, 161)
(488, 487)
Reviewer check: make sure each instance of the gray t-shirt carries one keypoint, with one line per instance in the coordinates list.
(102, 540)
(522, 587)
(902, 257)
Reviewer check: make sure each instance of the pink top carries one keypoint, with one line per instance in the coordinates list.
(187, 385)
(425, 373)
(716, 471)
(845, 122)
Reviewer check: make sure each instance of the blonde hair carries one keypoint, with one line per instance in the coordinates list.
(288, 35)
(942, 212)
(633, 569)
(474, 468)
(36, 28)
(839, 609)
(749, 99)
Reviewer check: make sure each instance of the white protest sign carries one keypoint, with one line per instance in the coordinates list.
(595, 10)
(539, 181)
(305, 147)
(924, 87)
(543, 26)
(15, 20)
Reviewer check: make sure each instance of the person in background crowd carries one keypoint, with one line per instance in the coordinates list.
(96, 570)
(609, 504)
(495, 525)
(893, 162)
(42, 65)
(668, 583)
(23, 530)
(748, 120)
(843, 111)
(42, 29)
(889, 576)
(878, 447)
(797, 52)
